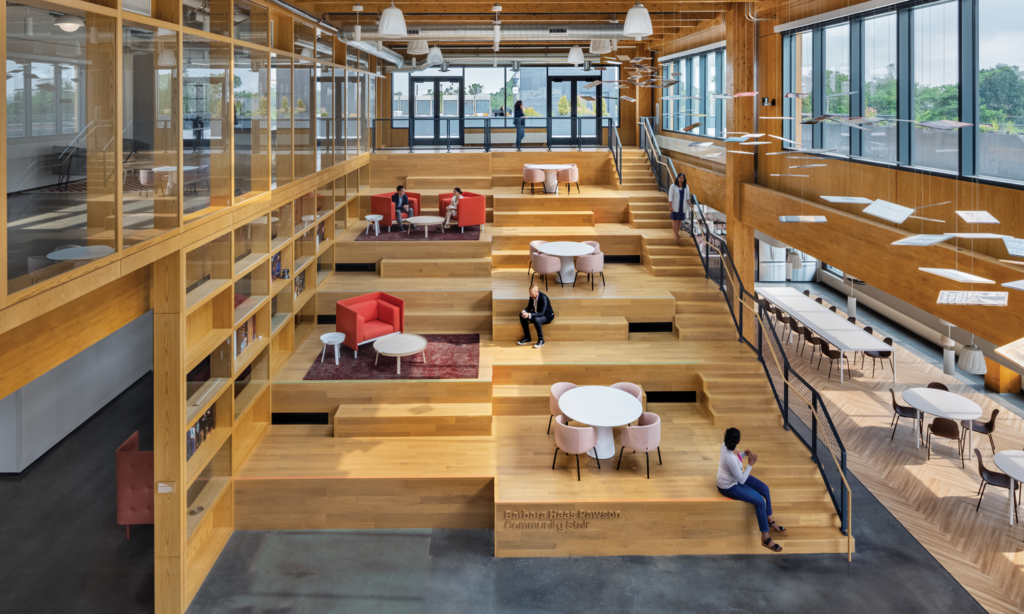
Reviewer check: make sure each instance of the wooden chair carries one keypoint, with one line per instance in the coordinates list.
(903, 411)
(983, 428)
(832, 355)
(814, 340)
(997, 479)
(880, 355)
(946, 429)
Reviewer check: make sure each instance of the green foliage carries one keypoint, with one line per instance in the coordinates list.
(584, 107)
(530, 112)
(503, 97)
(474, 89)
(563, 105)
(936, 102)
(880, 94)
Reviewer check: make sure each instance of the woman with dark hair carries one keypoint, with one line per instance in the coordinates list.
(679, 198)
(519, 123)
(736, 483)
(453, 207)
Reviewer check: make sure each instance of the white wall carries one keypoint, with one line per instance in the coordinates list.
(43, 412)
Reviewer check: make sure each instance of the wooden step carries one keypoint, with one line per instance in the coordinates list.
(451, 321)
(413, 420)
(614, 328)
(634, 309)
(715, 303)
(510, 259)
(701, 320)
(452, 267)
(447, 183)
(671, 250)
(646, 173)
(808, 540)
(714, 382)
(637, 207)
(548, 202)
(673, 260)
(520, 400)
(519, 219)
(651, 223)
(748, 418)
(793, 490)
(720, 332)
(656, 214)
(676, 271)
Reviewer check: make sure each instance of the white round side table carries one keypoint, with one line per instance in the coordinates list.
(335, 339)
(375, 222)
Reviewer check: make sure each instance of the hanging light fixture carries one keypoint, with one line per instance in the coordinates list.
(600, 45)
(638, 22)
(576, 55)
(435, 57)
(357, 34)
(615, 44)
(418, 47)
(29, 26)
(380, 46)
(69, 23)
(392, 23)
(972, 360)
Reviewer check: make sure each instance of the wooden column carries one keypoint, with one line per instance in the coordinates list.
(739, 44)
(1001, 379)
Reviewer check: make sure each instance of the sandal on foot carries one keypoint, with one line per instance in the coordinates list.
(776, 526)
(773, 547)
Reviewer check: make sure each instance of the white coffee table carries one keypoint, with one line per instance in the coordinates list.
(402, 344)
(944, 405)
(1011, 462)
(374, 220)
(426, 221)
(567, 251)
(601, 407)
(550, 175)
(335, 339)
(89, 252)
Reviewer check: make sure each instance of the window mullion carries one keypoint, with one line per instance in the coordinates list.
(818, 76)
(788, 85)
(720, 89)
(904, 85)
(856, 82)
(969, 101)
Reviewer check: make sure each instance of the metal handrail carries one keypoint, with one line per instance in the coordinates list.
(615, 145)
(451, 132)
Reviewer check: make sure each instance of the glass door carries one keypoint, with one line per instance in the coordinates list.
(437, 111)
(574, 120)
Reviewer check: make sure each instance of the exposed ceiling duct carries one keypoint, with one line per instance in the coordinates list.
(371, 48)
(509, 32)
(506, 58)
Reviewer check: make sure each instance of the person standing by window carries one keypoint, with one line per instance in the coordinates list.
(736, 483)
(679, 199)
(453, 207)
(520, 123)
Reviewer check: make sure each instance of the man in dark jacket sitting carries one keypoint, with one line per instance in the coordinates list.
(538, 310)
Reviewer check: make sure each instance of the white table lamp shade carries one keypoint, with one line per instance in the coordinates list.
(435, 57)
(600, 45)
(972, 360)
(638, 23)
(418, 47)
(392, 23)
(576, 55)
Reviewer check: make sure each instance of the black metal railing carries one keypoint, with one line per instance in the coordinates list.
(803, 409)
(615, 144)
(491, 133)
(661, 165)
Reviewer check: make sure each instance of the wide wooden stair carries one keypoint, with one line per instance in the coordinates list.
(664, 257)
(636, 170)
(413, 420)
(746, 397)
(433, 311)
(435, 267)
(416, 184)
(703, 315)
(649, 210)
(584, 319)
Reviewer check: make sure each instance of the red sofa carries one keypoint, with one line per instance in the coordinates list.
(380, 204)
(134, 477)
(369, 317)
(472, 209)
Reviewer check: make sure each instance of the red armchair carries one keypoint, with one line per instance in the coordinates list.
(380, 204)
(369, 317)
(134, 477)
(472, 209)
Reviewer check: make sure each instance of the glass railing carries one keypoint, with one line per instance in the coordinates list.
(487, 133)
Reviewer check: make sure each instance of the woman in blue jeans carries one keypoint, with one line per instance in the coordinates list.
(736, 482)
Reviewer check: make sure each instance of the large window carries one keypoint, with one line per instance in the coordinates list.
(880, 63)
(1001, 90)
(837, 86)
(692, 101)
(936, 85)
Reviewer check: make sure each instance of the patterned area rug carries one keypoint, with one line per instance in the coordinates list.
(451, 234)
(448, 357)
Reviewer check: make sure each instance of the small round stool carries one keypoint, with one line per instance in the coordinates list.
(335, 339)
(375, 220)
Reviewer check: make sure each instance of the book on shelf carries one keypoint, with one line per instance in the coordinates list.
(321, 234)
(199, 432)
(244, 335)
(300, 283)
(275, 266)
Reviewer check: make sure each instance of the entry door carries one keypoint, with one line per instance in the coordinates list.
(580, 126)
(436, 99)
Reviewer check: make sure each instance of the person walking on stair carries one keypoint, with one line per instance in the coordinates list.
(679, 199)
(736, 483)
(538, 310)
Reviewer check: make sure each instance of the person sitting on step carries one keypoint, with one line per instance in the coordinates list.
(538, 310)
(453, 207)
(736, 483)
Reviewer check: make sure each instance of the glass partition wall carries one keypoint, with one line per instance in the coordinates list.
(208, 117)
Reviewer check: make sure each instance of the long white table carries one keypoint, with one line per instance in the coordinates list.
(837, 330)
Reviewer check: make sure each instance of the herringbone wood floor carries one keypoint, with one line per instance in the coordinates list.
(934, 499)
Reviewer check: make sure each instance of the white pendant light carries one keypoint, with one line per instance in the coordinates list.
(380, 46)
(166, 58)
(638, 23)
(576, 55)
(615, 44)
(972, 360)
(69, 23)
(600, 45)
(357, 33)
(435, 57)
(418, 47)
(392, 23)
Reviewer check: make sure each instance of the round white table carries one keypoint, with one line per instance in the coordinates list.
(374, 220)
(602, 408)
(1011, 462)
(567, 251)
(550, 175)
(426, 221)
(335, 339)
(944, 405)
(89, 252)
(402, 344)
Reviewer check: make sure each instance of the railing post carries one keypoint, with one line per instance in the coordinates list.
(373, 135)
(550, 134)
(814, 429)
(845, 500)
(487, 134)
(785, 395)
(448, 134)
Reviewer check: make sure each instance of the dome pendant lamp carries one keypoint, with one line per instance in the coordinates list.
(972, 360)
(392, 23)
(638, 23)
(576, 55)
(600, 45)
(418, 47)
(435, 57)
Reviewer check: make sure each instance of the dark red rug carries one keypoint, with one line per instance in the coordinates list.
(448, 357)
(451, 234)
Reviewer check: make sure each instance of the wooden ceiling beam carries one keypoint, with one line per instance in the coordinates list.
(545, 7)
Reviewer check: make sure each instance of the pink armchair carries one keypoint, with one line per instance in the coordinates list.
(557, 390)
(531, 176)
(380, 204)
(644, 437)
(134, 478)
(472, 209)
(569, 176)
(369, 317)
(574, 440)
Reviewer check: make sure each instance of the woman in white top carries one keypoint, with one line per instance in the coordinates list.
(736, 483)
(679, 198)
(453, 207)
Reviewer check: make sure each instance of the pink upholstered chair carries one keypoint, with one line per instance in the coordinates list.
(574, 440)
(133, 472)
(557, 390)
(534, 248)
(594, 244)
(569, 176)
(532, 176)
(544, 265)
(632, 389)
(591, 265)
(644, 437)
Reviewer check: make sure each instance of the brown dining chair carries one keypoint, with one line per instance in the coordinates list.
(946, 429)
(903, 411)
(880, 355)
(819, 301)
(869, 331)
(997, 479)
(832, 355)
(814, 340)
(833, 309)
(852, 319)
(799, 330)
(807, 293)
(983, 428)
(938, 386)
